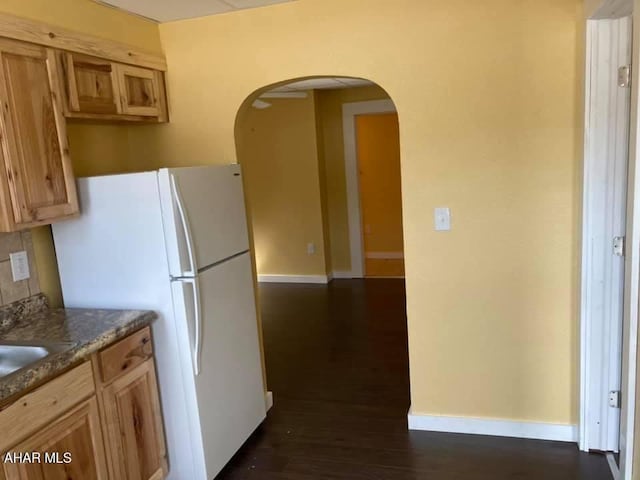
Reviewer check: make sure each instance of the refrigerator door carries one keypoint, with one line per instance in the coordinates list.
(204, 215)
(229, 387)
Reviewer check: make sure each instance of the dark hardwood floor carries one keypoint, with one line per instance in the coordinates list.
(337, 364)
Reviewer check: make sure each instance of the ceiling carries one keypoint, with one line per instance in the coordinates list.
(301, 88)
(322, 83)
(614, 9)
(170, 10)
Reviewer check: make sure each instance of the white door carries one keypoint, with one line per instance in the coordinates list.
(604, 210)
(229, 387)
(204, 214)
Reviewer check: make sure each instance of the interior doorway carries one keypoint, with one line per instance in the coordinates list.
(321, 163)
(333, 341)
(378, 152)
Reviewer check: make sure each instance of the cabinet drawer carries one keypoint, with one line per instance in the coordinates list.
(41, 406)
(125, 355)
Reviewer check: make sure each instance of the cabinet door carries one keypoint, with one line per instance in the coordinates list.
(37, 167)
(133, 422)
(70, 449)
(139, 91)
(92, 84)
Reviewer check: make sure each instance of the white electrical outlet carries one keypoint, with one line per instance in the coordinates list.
(311, 248)
(19, 266)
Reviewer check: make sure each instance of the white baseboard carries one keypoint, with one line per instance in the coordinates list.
(268, 400)
(500, 428)
(338, 274)
(293, 278)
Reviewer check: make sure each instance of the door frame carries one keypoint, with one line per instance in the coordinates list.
(349, 113)
(603, 218)
(612, 9)
(632, 272)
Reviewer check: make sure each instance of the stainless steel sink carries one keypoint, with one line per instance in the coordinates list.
(17, 355)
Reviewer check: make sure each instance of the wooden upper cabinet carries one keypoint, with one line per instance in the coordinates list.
(77, 434)
(139, 91)
(37, 183)
(100, 89)
(92, 84)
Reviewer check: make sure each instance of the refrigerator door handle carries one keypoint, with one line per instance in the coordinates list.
(185, 226)
(197, 327)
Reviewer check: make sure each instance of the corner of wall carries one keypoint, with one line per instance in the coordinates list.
(322, 178)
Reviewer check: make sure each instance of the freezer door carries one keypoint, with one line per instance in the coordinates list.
(204, 215)
(229, 387)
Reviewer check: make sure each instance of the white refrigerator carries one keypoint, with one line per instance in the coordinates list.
(175, 241)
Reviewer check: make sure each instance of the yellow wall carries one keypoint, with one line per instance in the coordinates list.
(95, 149)
(324, 195)
(329, 115)
(486, 95)
(278, 153)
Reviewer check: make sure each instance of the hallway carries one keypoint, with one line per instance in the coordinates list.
(337, 363)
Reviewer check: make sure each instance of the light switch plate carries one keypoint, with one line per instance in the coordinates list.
(442, 219)
(19, 265)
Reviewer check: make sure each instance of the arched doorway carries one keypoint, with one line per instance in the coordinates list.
(334, 336)
(332, 205)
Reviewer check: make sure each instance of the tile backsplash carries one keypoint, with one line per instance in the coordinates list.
(11, 291)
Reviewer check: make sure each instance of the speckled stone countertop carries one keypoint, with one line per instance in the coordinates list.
(85, 330)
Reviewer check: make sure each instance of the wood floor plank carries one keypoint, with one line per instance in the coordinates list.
(337, 363)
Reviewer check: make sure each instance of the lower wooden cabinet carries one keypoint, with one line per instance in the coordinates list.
(71, 449)
(98, 421)
(133, 425)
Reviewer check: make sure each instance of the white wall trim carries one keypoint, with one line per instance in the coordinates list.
(604, 197)
(340, 274)
(632, 275)
(384, 255)
(499, 428)
(268, 400)
(349, 112)
(293, 278)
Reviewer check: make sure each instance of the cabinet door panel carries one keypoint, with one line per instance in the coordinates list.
(92, 84)
(134, 425)
(36, 161)
(76, 442)
(139, 91)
